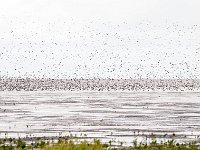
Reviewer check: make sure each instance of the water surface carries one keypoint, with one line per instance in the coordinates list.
(106, 115)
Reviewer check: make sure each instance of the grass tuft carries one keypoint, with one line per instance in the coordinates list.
(96, 144)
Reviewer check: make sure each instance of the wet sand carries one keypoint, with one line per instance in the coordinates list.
(114, 115)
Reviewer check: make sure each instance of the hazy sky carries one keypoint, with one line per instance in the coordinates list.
(120, 10)
(100, 38)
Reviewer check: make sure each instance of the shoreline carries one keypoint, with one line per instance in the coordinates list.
(105, 115)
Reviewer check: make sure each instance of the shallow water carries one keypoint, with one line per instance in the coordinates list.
(106, 115)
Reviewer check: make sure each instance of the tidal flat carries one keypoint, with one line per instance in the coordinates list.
(106, 115)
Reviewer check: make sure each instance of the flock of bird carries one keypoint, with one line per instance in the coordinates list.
(71, 49)
(30, 84)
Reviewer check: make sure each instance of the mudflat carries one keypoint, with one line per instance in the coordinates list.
(118, 115)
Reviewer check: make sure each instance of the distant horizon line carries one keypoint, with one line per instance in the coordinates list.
(98, 78)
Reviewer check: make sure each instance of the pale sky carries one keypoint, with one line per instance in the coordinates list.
(120, 10)
(100, 38)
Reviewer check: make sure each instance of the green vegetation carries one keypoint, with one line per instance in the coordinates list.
(75, 144)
